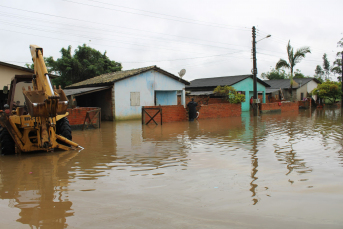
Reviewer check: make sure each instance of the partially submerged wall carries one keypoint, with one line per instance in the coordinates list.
(172, 113)
(279, 107)
(77, 117)
(290, 107)
(178, 113)
(220, 110)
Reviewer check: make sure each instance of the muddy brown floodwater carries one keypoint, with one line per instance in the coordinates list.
(273, 171)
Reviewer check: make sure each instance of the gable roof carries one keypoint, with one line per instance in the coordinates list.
(286, 83)
(221, 81)
(29, 70)
(16, 67)
(110, 78)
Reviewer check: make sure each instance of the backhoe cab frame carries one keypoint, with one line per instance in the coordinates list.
(33, 126)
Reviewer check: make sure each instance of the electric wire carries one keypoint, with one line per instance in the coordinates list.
(105, 8)
(243, 27)
(122, 27)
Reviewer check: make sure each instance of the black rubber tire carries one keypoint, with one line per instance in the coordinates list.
(63, 128)
(7, 143)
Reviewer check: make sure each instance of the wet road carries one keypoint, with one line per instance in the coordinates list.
(273, 171)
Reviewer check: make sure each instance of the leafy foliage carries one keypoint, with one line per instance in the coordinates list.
(31, 66)
(230, 94)
(337, 64)
(328, 90)
(298, 74)
(84, 64)
(326, 66)
(293, 59)
(275, 74)
(319, 73)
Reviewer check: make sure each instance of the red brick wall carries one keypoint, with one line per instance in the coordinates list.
(269, 106)
(174, 113)
(284, 106)
(220, 110)
(306, 104)
(77, 115)
(290, 107)
(178, 113)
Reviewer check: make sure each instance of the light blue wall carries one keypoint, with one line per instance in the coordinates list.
(247, 86)
(146, 83)
(166, 98)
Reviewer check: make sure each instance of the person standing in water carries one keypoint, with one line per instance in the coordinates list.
(192, 111)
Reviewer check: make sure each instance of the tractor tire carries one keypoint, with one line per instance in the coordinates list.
(7, 143)
(63, 128)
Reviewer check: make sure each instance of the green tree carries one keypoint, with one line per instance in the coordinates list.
(319, 73)
(84, 64)
(298, 74)
(230, 94)
(328, 90)
(326, 66)
(275, 74)
(293, 59)
(29, 65)
(337, 64)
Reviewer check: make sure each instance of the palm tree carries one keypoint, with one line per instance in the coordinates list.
(293, 59)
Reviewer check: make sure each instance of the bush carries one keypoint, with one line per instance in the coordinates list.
(230, 94)
(328, 90)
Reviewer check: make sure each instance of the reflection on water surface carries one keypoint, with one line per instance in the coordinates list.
(244, 172)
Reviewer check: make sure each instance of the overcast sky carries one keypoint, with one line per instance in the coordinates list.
(209, 38)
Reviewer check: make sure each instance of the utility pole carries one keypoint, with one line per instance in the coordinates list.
(254, 70)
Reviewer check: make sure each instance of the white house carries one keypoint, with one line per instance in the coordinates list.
(300, 91)
(122, 94)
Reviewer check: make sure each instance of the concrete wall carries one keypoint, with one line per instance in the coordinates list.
(302, 89)
(7, 73)
(146, 84)
(247, 86)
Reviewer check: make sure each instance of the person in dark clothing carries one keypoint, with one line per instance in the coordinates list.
(192, 111)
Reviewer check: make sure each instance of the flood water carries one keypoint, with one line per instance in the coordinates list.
(272, 171)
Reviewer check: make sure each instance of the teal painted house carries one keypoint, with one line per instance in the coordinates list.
(243, 84)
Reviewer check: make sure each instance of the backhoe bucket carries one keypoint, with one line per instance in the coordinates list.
(39, 106)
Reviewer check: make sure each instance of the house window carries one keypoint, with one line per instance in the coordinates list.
(135, 99)
(301, 96)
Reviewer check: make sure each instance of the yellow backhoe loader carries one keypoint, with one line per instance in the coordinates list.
(41, 123)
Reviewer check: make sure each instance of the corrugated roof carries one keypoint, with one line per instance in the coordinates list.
(112, 77)
(79, 91)
(221, 81)
(200, 93)
(285, 83)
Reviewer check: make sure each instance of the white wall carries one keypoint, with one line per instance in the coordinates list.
(146, 83)
(307, 88)
(311, 85)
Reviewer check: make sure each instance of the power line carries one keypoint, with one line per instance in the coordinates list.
(193, 43)
(122, 27)
(202, 57)
(243, 27)
(123, 11)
